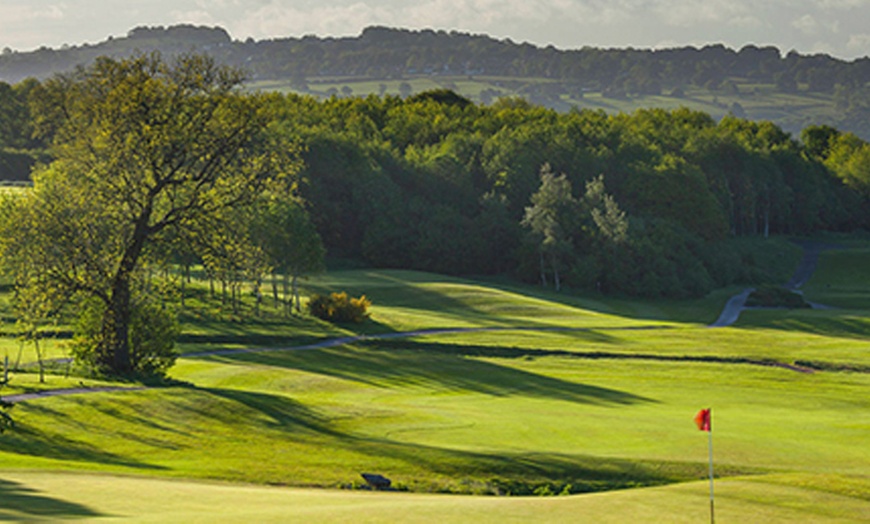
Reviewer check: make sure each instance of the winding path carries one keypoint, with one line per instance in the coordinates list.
(806, 268)
(730, 314)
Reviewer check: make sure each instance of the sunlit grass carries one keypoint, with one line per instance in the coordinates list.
(495, 410)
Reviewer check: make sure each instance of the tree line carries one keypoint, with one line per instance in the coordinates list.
(642, 204)
(385, 53)
(155, 163)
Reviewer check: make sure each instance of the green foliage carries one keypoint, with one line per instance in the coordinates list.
(775, 296)
(142, 146)
(6, 421)
(339, 307)
(153, 330)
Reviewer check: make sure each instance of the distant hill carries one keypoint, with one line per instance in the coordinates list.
(792, 90)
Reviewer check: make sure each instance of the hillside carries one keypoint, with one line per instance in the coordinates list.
(606, 419)
(792, 90)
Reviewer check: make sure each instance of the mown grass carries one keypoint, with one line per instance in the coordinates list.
(52, 497)
(494, 411)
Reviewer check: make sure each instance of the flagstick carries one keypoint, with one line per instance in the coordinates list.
(710, 434)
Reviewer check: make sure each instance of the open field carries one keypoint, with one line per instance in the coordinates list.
(570, 408)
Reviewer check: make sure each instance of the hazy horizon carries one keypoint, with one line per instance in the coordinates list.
(835, 27)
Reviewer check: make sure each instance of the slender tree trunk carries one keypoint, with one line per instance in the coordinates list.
(556, 281)
(274, 289)
(287, 303)
(258, 297)
(296, 293)
(183, 279)
(39, 358)
(543, 271)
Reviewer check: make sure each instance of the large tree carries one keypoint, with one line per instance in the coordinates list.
(141, 145)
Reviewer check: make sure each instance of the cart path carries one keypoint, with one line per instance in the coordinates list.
(803, 272)
(730, 314)
(22, 397)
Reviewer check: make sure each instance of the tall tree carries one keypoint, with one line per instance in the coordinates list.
(285, 233)
(140, 145)
(551, 219)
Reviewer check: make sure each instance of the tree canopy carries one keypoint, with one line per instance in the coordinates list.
(140, 146)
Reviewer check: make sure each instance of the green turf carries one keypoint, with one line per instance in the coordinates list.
(785, 499)
(601, 399)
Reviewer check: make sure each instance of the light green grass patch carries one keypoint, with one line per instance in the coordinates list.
(53, 497)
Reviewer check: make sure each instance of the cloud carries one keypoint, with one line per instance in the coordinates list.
(15, 14)
(841, 4)
(859, 44)
(198, 17)
(806, 24)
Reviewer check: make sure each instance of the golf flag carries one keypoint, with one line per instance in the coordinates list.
(703, 420)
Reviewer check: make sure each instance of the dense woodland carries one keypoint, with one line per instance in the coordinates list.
(381, 52)
(142, 164)
(639, 204)
(435, 182)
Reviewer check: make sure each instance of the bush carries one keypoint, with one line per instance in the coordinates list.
(152, 333)
(774, 296)
(338, 307)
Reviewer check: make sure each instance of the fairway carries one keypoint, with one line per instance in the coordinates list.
(52, 497)
(547, 394)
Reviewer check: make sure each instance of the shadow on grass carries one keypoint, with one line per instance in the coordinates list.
(407, 290)
(528, 473)
(823, 323)
(19, 502)
(277, 412)
(26, 440)
(389, 368)
(424, 468)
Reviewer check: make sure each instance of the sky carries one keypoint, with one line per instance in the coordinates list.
(840, 28)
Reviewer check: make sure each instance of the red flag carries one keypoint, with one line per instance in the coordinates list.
(704, 420)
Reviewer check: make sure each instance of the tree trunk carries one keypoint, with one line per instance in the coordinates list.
(183, 279)
(115, 350)
(556, 281)
(287, 303)
(274, 290)
(543, 271)
(258, 296)
(296, 293)
(39, 358)
(115, 343)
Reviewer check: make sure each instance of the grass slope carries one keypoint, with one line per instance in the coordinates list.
(485, 412)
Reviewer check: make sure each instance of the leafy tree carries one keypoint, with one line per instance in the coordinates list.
(141, 145)
(551, 219)
(610, 221)
(285, 233)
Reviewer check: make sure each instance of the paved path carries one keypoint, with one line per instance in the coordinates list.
(21, 397)
(806, 268)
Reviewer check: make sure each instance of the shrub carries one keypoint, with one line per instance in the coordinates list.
(338, 307)
(774, 296)
(153, 330)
